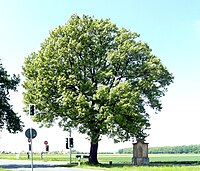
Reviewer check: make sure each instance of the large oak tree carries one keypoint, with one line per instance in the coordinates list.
(97, 78)
(9, 120)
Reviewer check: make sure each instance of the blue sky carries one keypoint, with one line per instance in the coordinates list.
(170, 27)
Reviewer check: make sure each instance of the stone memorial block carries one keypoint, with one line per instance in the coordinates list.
(140, 153)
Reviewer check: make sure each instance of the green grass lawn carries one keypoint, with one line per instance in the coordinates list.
(149, 168)
(160, 168)
(174, 157)
(122, 162)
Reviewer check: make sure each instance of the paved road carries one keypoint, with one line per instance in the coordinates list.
(20, 165)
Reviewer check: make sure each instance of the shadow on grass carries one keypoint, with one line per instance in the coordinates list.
(98, 166)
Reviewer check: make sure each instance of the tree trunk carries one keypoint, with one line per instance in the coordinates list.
(93, 153)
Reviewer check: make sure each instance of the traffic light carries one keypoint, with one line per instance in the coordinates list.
(67, 143)
(31, 109)
(71, 142)
(47, 148)
(29, 147)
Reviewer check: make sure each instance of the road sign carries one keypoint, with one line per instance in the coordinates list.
(45, 142)
(28, 133)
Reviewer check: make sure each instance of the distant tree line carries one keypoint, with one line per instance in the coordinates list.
(125, 151)
(166, 149)
(175, 149)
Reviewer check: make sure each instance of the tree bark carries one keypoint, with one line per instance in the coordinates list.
(93, 153)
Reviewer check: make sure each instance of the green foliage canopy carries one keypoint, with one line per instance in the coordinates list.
(8, 118)
(93, 76)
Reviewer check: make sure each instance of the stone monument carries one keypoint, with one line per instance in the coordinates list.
(140, 153)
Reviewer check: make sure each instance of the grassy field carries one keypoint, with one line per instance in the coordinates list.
(115, 158)
(158, 162)
(160, 168)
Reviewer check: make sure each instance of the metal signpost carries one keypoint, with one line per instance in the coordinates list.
(30, 134)
(31, 137)
(69, 145)
(46, 147)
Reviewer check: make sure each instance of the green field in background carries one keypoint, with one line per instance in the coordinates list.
(106, 158)
(3, 169)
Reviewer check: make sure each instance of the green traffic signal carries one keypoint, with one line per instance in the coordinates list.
(71, 142)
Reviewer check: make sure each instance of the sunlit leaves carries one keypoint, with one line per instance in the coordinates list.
(93, 76)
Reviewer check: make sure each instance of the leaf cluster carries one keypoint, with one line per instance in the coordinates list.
(8, 118)
(91, 75)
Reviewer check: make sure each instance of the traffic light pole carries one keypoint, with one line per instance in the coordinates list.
(31, 113)
(70, 148)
